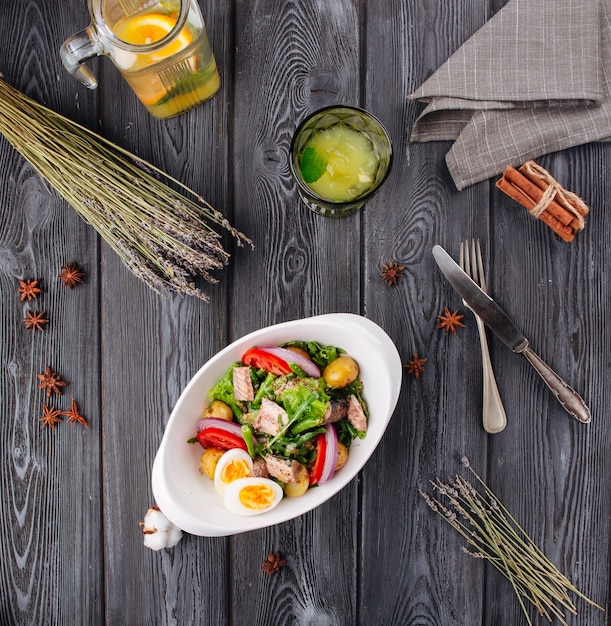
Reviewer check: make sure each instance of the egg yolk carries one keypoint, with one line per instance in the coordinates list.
(238, 468)
(257, 497)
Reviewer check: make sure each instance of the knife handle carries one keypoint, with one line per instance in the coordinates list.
(568, 397)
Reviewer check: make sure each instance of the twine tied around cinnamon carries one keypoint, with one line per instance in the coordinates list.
(567, 199)
(537, 190)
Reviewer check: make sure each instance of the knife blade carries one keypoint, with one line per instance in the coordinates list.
(497, 320)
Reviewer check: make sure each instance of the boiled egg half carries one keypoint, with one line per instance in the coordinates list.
(252, 495)
(234, 464)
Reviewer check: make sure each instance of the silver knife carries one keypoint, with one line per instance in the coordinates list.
(496, 319)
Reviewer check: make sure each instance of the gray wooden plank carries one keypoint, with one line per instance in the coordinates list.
(555, 476)
(51, 518)
(291, 59)
(409, 561)
(151, 347)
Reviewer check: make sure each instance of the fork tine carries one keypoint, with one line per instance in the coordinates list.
(469, 267)
(473, 260)
(466, 262)
(480, 263)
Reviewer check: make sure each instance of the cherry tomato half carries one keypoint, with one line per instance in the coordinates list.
(319, 461)
(260, 359)
(218, 438)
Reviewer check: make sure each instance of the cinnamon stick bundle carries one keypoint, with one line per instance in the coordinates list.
(533, 187)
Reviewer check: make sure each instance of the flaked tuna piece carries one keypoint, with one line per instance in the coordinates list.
(356, 415)
(336, 410)
(284, 470)
(259, 468)
(242, 384)
(271, 418)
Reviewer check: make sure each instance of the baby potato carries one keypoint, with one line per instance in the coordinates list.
(219, 409)
(342, 456)
(294, 490)
(209, 460)
(300, 351)
(341, 372)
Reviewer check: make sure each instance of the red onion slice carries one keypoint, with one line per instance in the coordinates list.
(309, 367)
(328, 469)
(217, 422)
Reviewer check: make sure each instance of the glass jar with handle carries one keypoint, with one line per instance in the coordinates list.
(160, 47)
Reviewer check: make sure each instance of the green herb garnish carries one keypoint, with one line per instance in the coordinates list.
(313, 165)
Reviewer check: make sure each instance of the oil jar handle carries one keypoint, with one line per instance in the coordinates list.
(78, 49)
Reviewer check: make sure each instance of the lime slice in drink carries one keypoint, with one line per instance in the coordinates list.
(313, 165)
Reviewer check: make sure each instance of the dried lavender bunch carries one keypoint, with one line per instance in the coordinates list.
(162, 235)
(495, 535)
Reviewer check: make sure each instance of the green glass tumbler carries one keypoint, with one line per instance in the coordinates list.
(339, 157)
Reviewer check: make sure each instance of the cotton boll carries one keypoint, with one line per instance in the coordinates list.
(156, 519)
(156, 540)
(158, 531)
(174, 535)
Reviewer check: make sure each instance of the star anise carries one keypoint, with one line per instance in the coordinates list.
(273, 563)
(71, 275)
(450, 321)
(51, 416)
(391, 272)
(415, 365)
(74, 416)
(29, 289)
(51, 382)
(35, 320)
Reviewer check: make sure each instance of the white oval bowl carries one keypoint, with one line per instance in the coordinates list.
(190, 501)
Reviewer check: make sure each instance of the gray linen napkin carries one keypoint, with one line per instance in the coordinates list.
(534, 79)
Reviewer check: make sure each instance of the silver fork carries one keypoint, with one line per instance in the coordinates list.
(493, 412)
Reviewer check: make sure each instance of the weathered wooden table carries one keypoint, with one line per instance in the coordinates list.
(71, 498)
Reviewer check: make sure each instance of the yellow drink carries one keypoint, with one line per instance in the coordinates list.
(339, 157)
(339, 163)
(172, 78)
